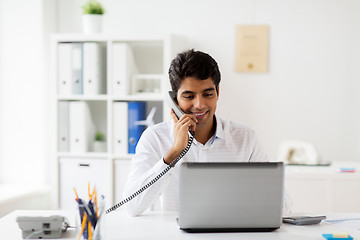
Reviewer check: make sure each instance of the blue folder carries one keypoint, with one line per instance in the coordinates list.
(136, 112)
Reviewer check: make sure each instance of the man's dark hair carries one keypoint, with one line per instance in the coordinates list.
(193, 64)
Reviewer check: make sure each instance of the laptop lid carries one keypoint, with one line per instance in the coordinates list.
(231, 196)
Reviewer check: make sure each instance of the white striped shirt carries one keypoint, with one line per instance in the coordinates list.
(232, 142)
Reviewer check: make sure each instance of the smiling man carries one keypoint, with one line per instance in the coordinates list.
(195, 78)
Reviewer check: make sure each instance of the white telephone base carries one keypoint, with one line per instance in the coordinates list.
(42, 227)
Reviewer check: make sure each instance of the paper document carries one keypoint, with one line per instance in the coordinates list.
(351, 224)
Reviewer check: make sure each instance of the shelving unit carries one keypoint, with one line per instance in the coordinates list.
(148, 83)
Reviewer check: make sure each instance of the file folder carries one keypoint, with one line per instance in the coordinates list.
(136, 112)
(77, 78)
(64, 69)
(81, 127)
(93, 69)
(124, 67)
(120, 127)
(63, 130)
(70, 69)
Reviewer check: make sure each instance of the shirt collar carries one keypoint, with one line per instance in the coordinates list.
(219, 131)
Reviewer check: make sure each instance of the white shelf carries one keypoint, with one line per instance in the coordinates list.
(83, 98)
(82, 155)
(134, 97)
(78, 37)
(152, 55)
(141, 97)
(123, 157)
(93, 155)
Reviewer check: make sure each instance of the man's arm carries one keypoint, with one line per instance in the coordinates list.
(146, 164)
(150, 160)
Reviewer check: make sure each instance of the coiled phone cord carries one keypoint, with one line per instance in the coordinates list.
(191, 138)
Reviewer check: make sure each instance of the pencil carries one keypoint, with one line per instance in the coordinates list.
(89, 191)
(96, 205)
(89, 230)
(77, 197)
(82, 226)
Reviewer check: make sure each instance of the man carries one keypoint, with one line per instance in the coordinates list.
(195, 78)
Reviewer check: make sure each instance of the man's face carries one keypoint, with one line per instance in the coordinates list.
(199, 98)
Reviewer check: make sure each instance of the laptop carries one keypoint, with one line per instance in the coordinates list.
(218, 197)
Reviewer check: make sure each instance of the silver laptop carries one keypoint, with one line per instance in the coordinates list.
(231, 196)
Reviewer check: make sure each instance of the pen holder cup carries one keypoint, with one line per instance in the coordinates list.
(96, 234)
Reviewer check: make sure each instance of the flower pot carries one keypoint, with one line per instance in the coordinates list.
(99, 146)
(92, 23)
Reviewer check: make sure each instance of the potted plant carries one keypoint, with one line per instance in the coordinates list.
(93, 13)
(99, 143)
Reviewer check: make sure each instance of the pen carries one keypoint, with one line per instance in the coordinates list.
(79, 201)
(82, 211)
(93, 215)
(89, 214)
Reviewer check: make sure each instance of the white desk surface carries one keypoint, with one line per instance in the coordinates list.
(322, 172)
(118, 225)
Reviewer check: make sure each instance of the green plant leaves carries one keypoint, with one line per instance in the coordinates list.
(93, 7)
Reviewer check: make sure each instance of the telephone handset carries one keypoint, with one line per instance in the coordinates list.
(179, 113)
(171, 99)
(173, 104)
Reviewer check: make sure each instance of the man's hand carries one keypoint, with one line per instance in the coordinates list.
(181, 137)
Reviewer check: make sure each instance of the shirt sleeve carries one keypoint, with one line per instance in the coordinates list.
(258, 154)
(146, 164)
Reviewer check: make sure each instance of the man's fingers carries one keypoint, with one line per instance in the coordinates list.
(187, 117)
(173, 116)
(189, 124)
(187, 120)
(192, 117)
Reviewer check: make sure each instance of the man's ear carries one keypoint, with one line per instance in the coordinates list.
(218, 91)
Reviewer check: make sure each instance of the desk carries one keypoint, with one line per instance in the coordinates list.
(153, 225)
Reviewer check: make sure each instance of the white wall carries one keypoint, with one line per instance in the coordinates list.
(23, 91)
(1, 47)
(310, 91)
